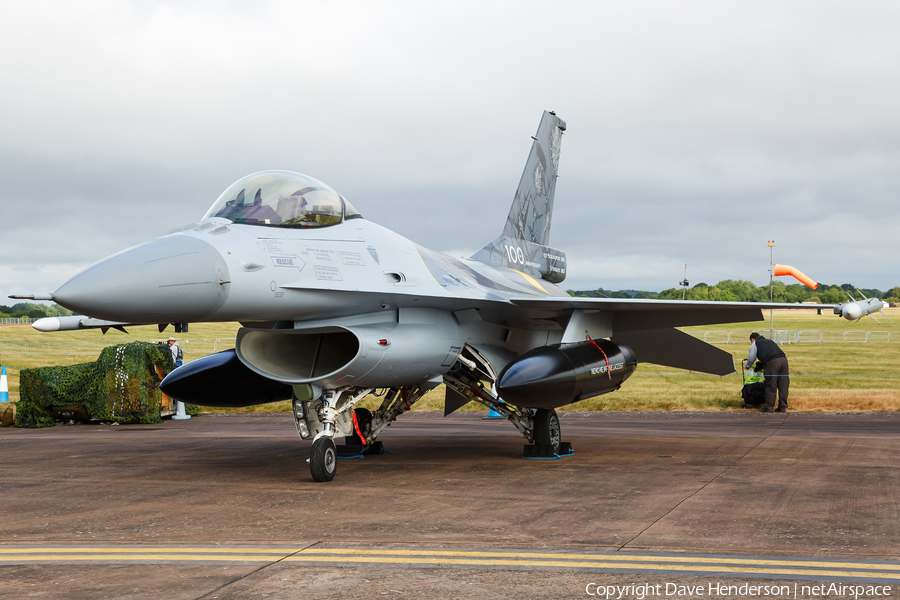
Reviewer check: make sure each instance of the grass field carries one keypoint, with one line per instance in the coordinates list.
(825, 377)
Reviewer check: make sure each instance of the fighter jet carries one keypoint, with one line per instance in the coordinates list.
(334, 308)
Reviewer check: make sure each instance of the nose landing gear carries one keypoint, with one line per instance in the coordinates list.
(333, 415)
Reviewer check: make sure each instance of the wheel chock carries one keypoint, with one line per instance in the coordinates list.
(492, 415)
(350, 451)
(542, 451)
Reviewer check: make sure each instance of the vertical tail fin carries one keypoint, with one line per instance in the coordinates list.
(532, 208)
(524, 243)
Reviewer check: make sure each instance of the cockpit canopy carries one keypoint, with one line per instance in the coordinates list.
(282, 199)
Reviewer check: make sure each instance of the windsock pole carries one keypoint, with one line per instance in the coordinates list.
(4, 386)
(771, 296)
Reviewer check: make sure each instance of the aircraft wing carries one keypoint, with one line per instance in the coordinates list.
(648, 327)
(631, 314)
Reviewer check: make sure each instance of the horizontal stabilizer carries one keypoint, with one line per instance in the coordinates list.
(674, 348)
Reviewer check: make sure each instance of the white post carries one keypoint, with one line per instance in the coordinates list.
(4, 386)
(180, 415)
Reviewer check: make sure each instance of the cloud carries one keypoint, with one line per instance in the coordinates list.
(697, 130)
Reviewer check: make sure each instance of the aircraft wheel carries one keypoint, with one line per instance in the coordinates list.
(323, 459)
(546, 428)
(363, 419)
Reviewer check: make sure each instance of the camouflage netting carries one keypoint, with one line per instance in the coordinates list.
(122, 386)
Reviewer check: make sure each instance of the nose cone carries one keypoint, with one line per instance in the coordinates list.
(172, 279)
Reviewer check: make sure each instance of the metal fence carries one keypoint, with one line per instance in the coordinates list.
(17, 321)
(784, 336)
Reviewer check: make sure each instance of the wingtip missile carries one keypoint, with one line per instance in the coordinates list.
(853, 311)
(73, 323)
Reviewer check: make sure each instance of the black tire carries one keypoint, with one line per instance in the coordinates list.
(363, 419)
(546, 428)
(323, 459)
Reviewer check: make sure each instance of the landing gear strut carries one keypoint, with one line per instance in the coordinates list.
(323, 419)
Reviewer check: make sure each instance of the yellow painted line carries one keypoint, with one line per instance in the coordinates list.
(318, 554)
(531, 280)
(138, 557)
(612, 557)
(427, 270)
(160, 550)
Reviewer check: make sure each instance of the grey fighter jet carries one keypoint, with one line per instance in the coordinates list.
(334, 307)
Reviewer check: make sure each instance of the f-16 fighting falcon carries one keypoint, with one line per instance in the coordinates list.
(334, 307)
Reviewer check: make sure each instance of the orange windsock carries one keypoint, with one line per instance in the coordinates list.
(796, 274)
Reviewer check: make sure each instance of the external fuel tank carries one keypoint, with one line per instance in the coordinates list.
(552, 376)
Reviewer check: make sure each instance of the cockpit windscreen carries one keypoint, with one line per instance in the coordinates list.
(282, 199)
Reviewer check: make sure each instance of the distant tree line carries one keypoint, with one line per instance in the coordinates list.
(33, 311)
(746, 291)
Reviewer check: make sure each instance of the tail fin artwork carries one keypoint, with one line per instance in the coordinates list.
(523, 244)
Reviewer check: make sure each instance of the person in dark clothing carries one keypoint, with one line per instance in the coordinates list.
(775, 369)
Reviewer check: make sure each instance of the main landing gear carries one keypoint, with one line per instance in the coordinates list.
(538, 426)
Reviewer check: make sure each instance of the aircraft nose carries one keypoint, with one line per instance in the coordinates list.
(173, 279)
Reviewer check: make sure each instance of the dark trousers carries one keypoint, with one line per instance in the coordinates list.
(776, 372)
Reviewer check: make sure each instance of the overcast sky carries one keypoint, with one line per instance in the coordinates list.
(697, 131)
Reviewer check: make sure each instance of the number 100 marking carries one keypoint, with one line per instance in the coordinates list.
(515, 255)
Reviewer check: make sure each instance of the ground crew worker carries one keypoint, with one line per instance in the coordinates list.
(775, 369)
(177, 354)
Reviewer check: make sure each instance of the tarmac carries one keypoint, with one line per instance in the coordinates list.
(674, 505)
